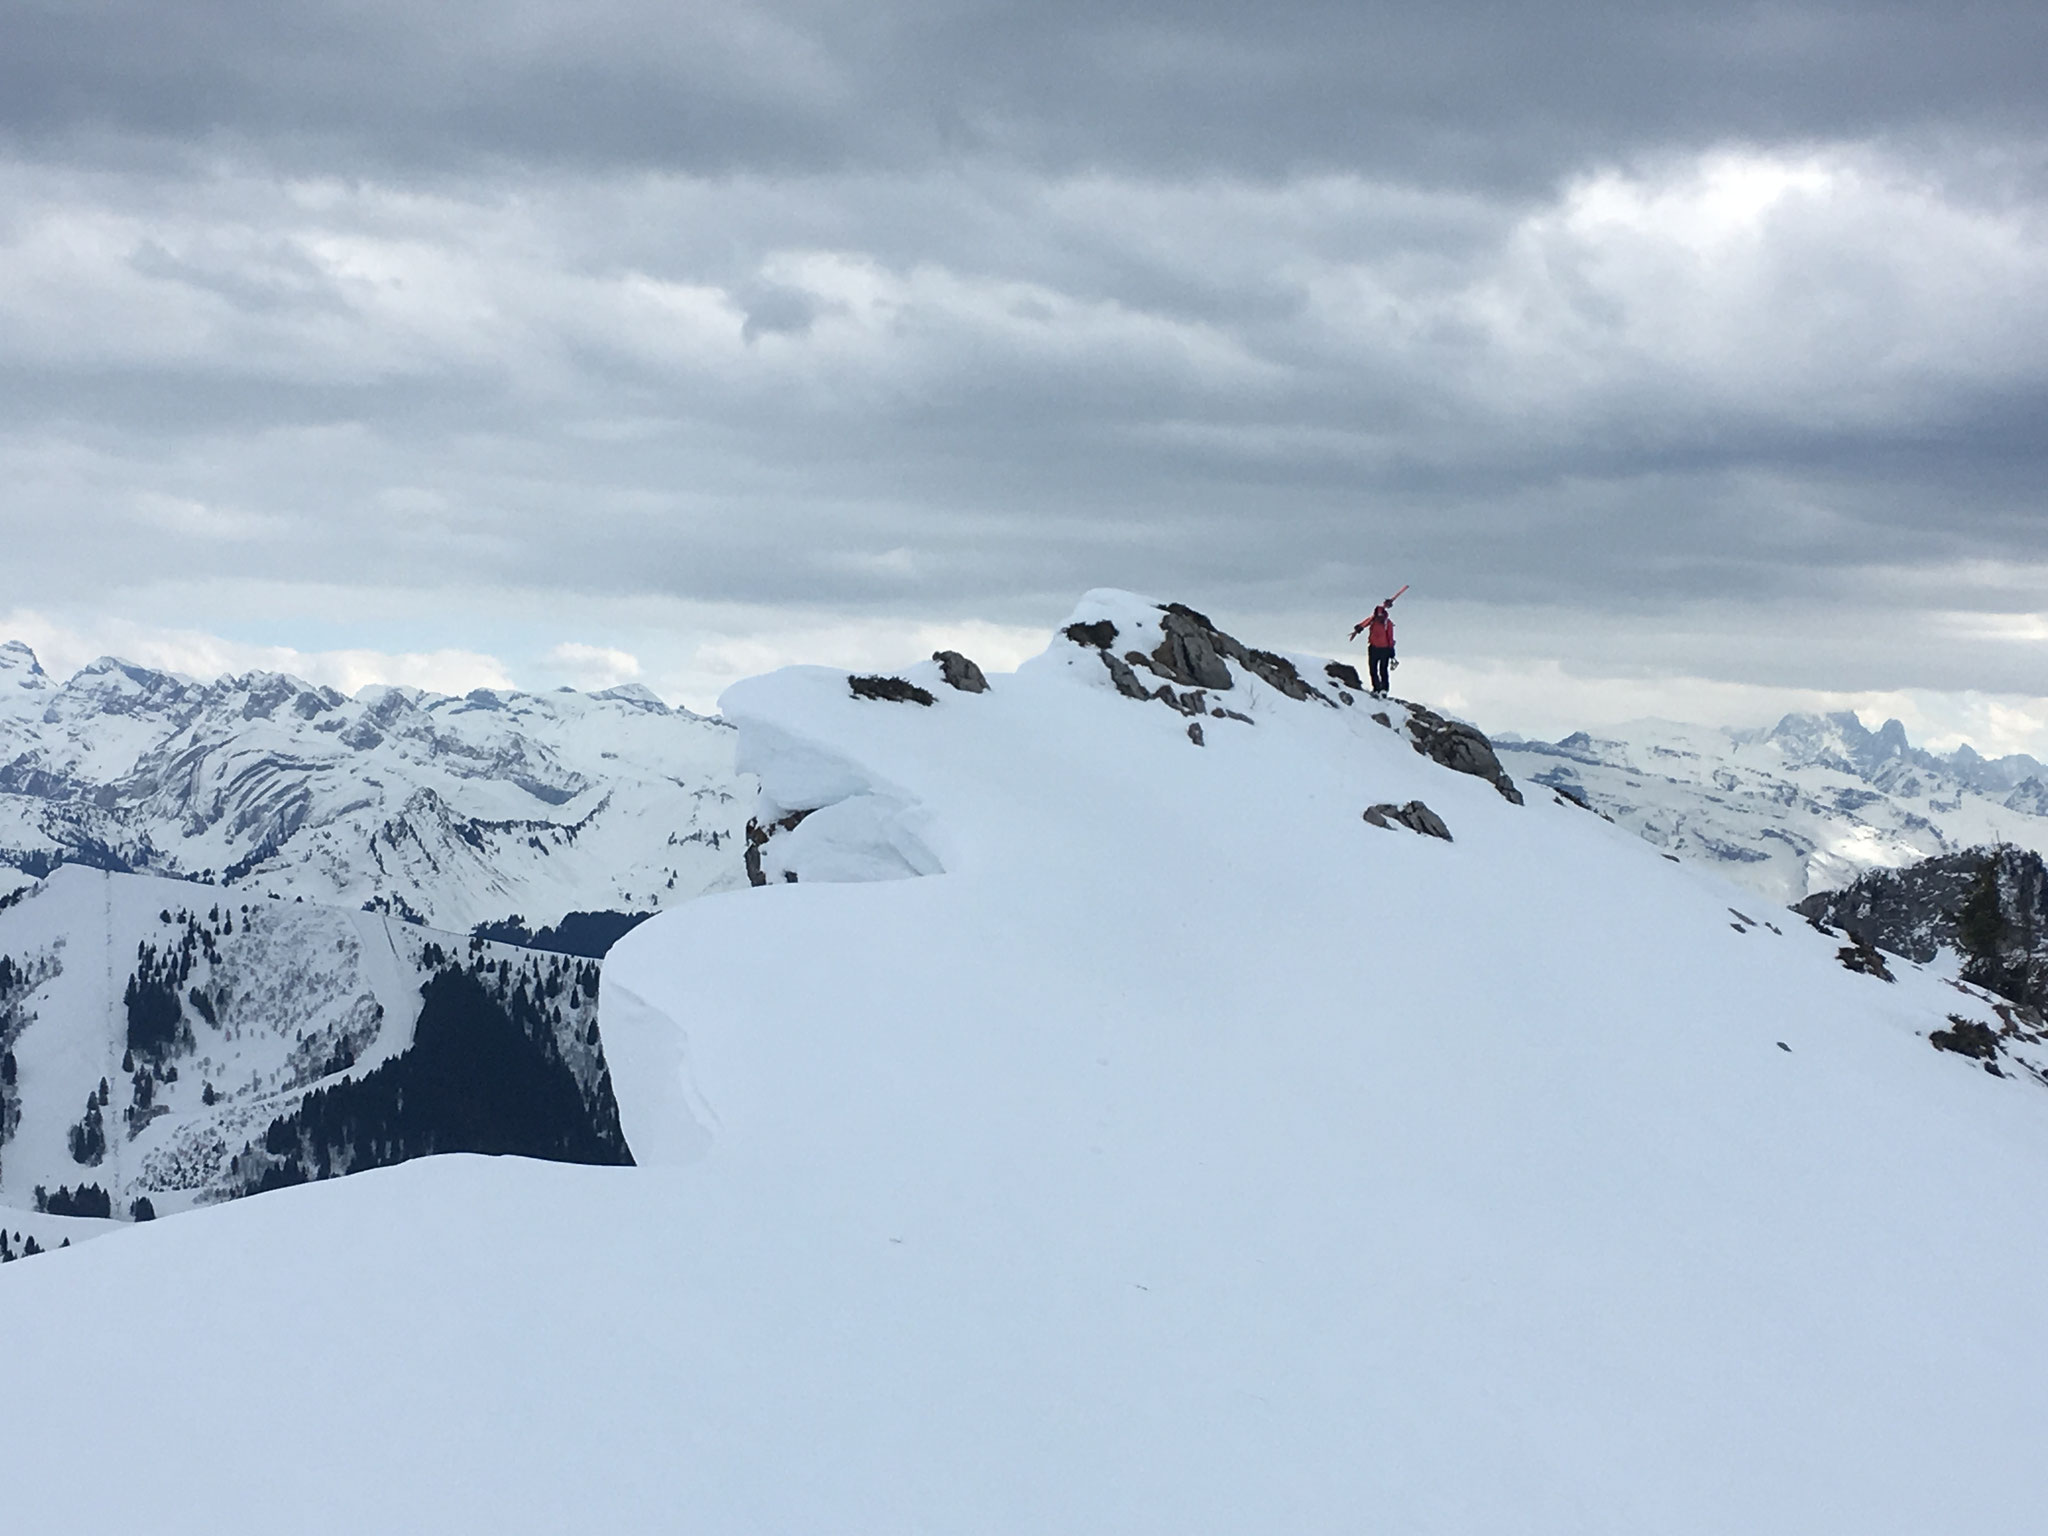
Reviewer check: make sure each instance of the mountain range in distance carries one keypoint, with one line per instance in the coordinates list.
(445, 811)
(516, 809)
(1803, 806)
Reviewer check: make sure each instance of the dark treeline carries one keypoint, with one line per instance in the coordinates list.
(86, 1200)
(484, 1074)
(589, 934)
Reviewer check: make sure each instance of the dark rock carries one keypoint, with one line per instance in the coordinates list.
(1191, 703)
(1101, 634)
(895, 690)
(1862, 957)
(1193, 616)
(1125, 679)
(1379, 717)
(1278, 672)
(1459, 747)
(959, 672)
(1188, 652)
(1195, 732)
(1343, 672)
(1968, 1038)
(1415, 816)
(757, 839)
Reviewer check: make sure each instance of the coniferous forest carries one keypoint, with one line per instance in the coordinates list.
(484, 1074)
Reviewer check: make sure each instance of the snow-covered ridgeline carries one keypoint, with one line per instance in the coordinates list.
(450, 811)
(1157, 1145)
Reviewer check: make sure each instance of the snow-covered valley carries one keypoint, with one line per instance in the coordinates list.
(1118, 1107)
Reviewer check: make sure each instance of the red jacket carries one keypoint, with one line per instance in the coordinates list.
(1379, 630)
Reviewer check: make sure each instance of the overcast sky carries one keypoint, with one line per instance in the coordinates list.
(1686, 358)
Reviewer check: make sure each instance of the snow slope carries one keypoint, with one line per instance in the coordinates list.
(448, 811)
(1162, 1147)
(1804, 806)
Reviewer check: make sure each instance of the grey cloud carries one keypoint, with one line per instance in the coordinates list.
(964, 307)
(777, 311)
(1483, 92)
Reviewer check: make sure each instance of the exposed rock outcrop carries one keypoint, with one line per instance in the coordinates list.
(1968, 1037)
(1415, 816)
(895, 690)
(1187, 654)
(1459, 747)
(1864, 958)
(959, 672)
(1123, 677)
(757, 839)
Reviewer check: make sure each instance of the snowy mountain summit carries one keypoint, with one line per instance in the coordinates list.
(1160, 1089)
(449, 811)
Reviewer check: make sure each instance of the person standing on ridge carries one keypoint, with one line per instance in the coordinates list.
(1379, 645)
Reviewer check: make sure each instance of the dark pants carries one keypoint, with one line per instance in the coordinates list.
(1376, 659)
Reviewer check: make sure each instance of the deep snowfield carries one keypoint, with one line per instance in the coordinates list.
(1188, 1156)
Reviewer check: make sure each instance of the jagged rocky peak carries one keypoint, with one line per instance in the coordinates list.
(1840, 740)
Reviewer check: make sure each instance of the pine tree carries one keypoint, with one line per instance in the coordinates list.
(1980, 926)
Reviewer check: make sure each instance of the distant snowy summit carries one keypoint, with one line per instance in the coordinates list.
(1806, 805)
(448, 811)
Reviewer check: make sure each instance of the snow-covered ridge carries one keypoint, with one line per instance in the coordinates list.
(1180, 1150)
(450, 811)
(1188, 1145)
(1803, 806)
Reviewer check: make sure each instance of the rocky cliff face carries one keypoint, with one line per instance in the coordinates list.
(1990, 905)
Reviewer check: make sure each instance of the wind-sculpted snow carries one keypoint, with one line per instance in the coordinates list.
(1170, 1149)
(442, 810)
(1803, 807)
